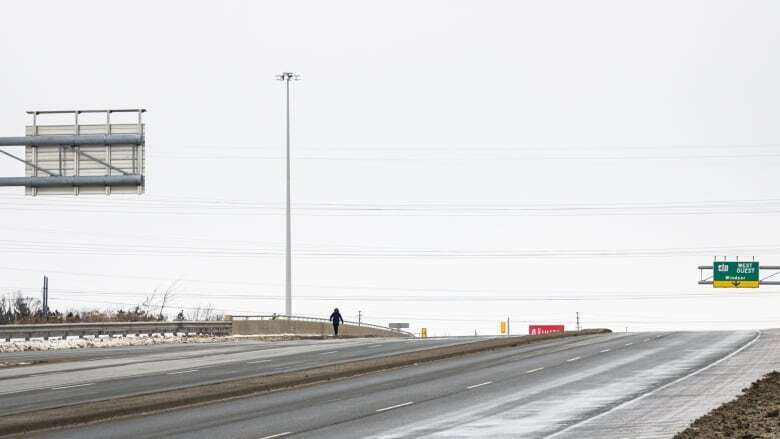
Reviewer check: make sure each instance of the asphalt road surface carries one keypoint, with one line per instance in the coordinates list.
(57, 378)
(609, 386)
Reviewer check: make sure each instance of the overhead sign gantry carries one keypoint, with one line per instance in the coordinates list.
(80, 158)
(737, 274)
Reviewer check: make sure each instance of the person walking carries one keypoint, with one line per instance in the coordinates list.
(336, 319)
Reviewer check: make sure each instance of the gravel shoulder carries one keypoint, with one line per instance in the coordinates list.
(753, 415)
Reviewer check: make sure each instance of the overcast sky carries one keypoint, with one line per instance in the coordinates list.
(455, 162)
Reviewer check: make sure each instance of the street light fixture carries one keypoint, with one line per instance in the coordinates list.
(286, 77)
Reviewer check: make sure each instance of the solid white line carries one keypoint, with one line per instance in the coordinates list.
(572, 359)
(257, 361)
(276, 435)
(604, 350)
(480, 385)
(183, 371)
(394, 406)
(535, 370)
(658, 389)
(328, 353)
(70, 387)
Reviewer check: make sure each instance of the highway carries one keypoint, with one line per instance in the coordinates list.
(642, 385)
(57, 378)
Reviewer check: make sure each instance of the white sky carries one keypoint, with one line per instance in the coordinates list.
(428, 137)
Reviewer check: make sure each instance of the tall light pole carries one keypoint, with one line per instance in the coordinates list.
(286, 77)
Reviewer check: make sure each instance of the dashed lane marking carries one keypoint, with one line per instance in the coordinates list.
(572, 359)
(328, 353)
(70, 387)
(394, 407)
(183, 371)
(480, 385)
(604, 350)
(629, 344)
(535, 370)
(276, 435)
(257, 361)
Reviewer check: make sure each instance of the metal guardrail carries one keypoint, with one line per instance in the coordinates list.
(63, 330)
(315, 319)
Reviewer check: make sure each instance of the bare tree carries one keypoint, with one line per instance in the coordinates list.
(194, 314)
(168, 296)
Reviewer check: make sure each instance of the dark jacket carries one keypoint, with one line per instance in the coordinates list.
(336, 318)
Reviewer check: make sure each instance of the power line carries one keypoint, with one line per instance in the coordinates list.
(416, 289)
(515, 148)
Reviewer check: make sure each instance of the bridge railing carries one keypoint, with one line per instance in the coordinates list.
(314, 319)
(48, 330)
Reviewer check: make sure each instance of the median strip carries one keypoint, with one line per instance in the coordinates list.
(204, 393)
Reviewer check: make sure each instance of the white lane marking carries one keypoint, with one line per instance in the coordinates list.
(257, 361)
(646, 340)
(374, 346)
(70, 387)
(276, 435)
(657, 389)
(572, 359)
(604, 350)
(328, 353)
(658, 336)
(629, 344)
(183, 371)
(394, 406)
(535, 370)
(480, 385)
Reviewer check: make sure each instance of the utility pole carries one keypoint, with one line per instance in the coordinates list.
(360, 317)
(507, 326)
(286, 77)
(578, 321)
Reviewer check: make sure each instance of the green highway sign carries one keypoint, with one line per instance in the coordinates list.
(733, 274)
